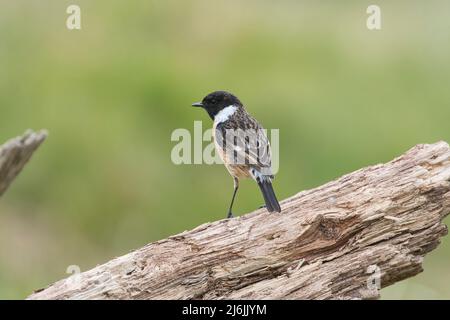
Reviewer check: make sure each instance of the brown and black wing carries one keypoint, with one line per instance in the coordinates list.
(245, 142)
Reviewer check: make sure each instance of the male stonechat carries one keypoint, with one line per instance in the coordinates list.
(241, 143)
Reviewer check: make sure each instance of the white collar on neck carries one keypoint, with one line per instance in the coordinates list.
(224, 114)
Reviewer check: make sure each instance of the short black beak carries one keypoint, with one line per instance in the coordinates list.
(197, 104)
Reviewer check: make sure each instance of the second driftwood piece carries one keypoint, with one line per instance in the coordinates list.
(15, 153)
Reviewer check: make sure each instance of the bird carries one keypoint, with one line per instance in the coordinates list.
(242, 145)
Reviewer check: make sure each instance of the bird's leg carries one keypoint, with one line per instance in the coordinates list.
(236, 186)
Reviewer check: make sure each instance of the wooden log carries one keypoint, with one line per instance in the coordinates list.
(15, 153)
(343, 240)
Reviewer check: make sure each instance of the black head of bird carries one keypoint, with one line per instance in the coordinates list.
(216, 101)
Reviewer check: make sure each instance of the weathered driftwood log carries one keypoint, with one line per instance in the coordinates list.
(15, 153)
(328, 243)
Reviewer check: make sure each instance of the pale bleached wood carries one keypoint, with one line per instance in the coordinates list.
(322, 246)
(15, 153)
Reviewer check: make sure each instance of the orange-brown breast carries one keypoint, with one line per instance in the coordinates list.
(236, 170)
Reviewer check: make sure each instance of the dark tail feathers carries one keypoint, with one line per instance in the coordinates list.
(269, 196)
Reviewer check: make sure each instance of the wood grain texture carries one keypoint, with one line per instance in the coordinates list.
(325, 244)
(15, 153)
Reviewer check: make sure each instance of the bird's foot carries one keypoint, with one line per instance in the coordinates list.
(263, 206)
(230, 215)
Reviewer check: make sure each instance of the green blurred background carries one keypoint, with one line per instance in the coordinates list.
(112, 93)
